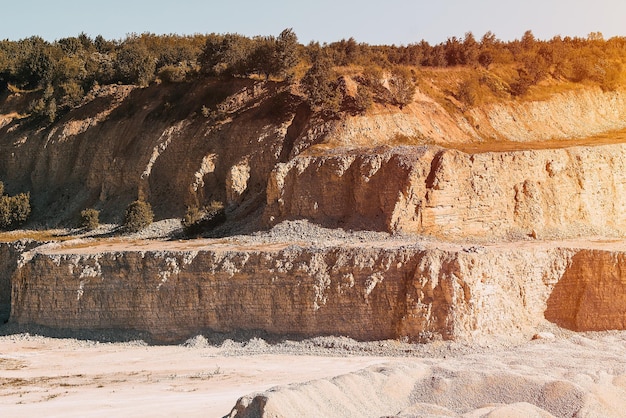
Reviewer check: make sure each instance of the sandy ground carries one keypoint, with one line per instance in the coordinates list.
(42, 376)
(68, 378)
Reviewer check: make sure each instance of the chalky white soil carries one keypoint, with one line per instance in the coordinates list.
(573, 373)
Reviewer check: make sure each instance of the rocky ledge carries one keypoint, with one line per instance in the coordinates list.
(389, 288)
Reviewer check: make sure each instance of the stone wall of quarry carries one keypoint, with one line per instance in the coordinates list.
(379, 292)
(258, 148)
(10, 253)
(448, 193)
(158, 143)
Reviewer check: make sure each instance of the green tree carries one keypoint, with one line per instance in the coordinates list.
(38, 68)
(320, 85)
(401, 87)
(102, 45)
(287, 54)
(471, 50)
(134, 64)
(138, 216)
(528, 41)
(264, 59)
(70, 46)
(90, 219)
(227, 55)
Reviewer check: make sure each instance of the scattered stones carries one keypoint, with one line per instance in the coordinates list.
(544, 336)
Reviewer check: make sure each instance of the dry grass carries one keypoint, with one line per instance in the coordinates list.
(48, 235)
(547, 89)
(442, 83)
(14, 89)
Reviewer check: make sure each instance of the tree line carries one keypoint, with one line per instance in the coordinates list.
(64, 70)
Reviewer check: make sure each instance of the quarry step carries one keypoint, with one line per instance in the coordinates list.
(394, 288)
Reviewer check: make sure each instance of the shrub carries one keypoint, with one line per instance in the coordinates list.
(610, 77)
(401, 87)
(1, 188)
(363, 99)
(72, 93)
(198, 220)
(468, 92)
(90, 219)
(173, 73)
(521, 86)
(138, 216)
(320, 85)
(14, 210)
(46, 106)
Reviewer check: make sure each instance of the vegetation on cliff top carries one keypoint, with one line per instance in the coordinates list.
(65, 70)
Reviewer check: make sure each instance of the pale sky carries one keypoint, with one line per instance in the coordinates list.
(375, 22)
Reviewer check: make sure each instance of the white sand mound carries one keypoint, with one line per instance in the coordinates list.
(576, 377)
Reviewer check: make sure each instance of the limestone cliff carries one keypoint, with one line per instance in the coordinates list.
(173, 145)
(510, 170)
(10, 253)
(452, 194)
(374, 292)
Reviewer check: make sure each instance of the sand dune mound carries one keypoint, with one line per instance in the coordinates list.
(576, 377)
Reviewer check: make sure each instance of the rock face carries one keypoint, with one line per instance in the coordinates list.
(379, 292)
(575, 114)
(172, 145)
(187, 144)
(256, 146)
(591, 295)
(452, 194)
(10, 253)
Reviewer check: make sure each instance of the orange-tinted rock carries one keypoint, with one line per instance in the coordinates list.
(451, 194)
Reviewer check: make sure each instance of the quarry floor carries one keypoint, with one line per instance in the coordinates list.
(42, 376)
(69, 378)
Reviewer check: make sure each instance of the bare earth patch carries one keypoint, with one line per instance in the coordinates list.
(64, 377)
(61, 377)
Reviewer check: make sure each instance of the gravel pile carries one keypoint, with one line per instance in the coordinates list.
(244, 344)
(315, 236)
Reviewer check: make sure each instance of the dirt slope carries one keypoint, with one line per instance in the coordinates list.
(185, 144)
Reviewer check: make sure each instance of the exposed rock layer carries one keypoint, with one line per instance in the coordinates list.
(10, 253)
(452, 194)
(172, 145)
(379, 292)
(187, 144)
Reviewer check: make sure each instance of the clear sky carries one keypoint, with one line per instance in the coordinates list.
(375, 22)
